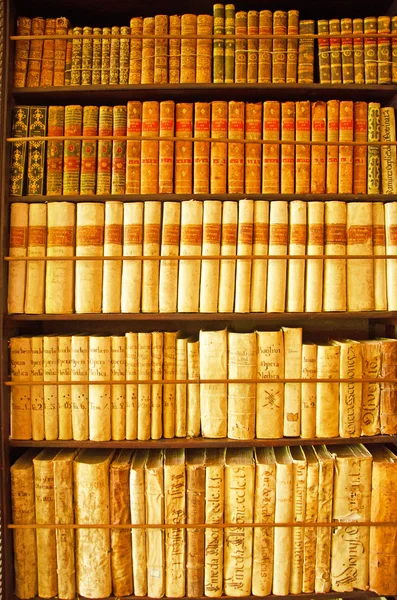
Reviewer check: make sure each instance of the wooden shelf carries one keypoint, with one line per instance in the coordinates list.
(345, 595)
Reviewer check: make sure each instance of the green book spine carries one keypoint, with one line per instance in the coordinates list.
(20, 122)
(114, 57)
(219, 45)
(56, 124)
(124, 56)
(77, 49)
(36, 150)
(374, 151)
(96, 57)
(86, 61)
(89, 151)
(229, 44)
(105, 56)
(72, 150)
(323, 53)
(119, 150)
(68, 58)
(104, 172)
(241, 47)
(384, 51)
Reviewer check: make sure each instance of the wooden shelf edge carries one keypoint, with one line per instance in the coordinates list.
(345, 595)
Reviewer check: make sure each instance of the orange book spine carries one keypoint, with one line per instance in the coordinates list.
(271, 152)
(302, 155)
(204, 50)
(135, 71)
(288, 150)
(183, 149)
(218, 162)
(345, 179)
(360, 152)
(253, 151)
(201, 149)
(133, 161)
(150, 148)
(21, 58)
(332, 151)
(188, 49)
(35, 53)
(166, 147)
(47, 66)
(319, 121)
(235, 155)
(161, 49)
(175, 49)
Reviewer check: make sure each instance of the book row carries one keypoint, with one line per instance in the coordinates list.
(98, 60)
(155, 257)
(208, 147)
(224, 491)
(76, 386)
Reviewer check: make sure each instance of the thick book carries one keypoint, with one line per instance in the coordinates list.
(270, 395)
(306, 52)
(195, 514)
(260, 246)
(334, 294)
(384, 50)
(244, 247)
(21, 58)
(151, 247)
(277, 268)
(332, 151)
(209, 282)
(131, 279)
(20, 124)
(379, 248)
(350, 393)
(346, 134)
(318, 153)
(99, 394)
(371, 361)
(20, 400)
(284, 510)
(214, 513)
(77, 50)
(175, 513)
(314, 266)
(299, 515)
(35, 270)
(90, 222)
(241, 400)
(213, 365)
(230, 44)
(112, 246)
(360, 272)
(190, 245)
(168, 277)
(54, 172)
(154, 492)
(18, 241)
(47, 66)
(227, 270)
(325, 459)
(296, 246)
(138, 517)
(36, 151)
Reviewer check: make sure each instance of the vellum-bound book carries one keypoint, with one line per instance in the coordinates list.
(19, 217)
(154, 492)
(99, 394)
(308, 391)
(113, 246)
(391, 248)
(138, 517)
(264, 512)
(168, 282)
(335, 269)
(360, 272)
(144, 389)
(379, 247)
(371, 353)
(117, 390)
(311, 511)
(151, 247)
(50, 374)
(327, 407)
(169, 388)
(181, 388)
(296, 266)
(352, 502)
(213, 396)
(35, 270)
(324, 515)
(350, 393)
(175, 512)
(209, 284)
(195, 509)
(388, 390)
(270, 396)
(244, 247)
(298, 533)
(131, 389)
(132, 246)
(79, 393)
(214, 513)
(388, 153)
(292, 370)
(156, 408)
(283, 513)
(189, 270)
(239, 508)
(314, 266)
(277, 269)
(89, 242)
(242, 364)
(20, 396)
(91, 497)
(65, 430)
(37, 391)
(193, 389)
(227, 269)
(260, 247)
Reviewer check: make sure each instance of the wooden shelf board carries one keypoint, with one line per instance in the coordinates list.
(346, 595)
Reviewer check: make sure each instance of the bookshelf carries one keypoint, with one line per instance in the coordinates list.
(318, 326)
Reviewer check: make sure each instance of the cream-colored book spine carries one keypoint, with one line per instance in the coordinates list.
(214, 511)
(151, 247)
(391, 248)
(189, 270)
(270, 396)
(65, 429)
(19, 218)
(144, 389)
(239, 491)
(314, 266)
(169, 388)
(350, 393)
(310, 533)
(181, 388)
(117, 390)
(360, 272)
(227, 269)
(325, 459)
(64, 515)
(35, 270)
(379, 247)
(277, 269)
(80, 372)
(245, 232)
(37, 391)
(93, 549)
(327, 406)
(99, 394)
(20, 395)
(45, 514)
(195, 512)
(299, 514)
(50, 374)
(138, 517)
(372, 364)
(89, 242)
(292, 370)
(59, 285)
(335, 293)
(264, 512)
(131, 279)
(175, 513)
(213, 396)
(113, 246)
(283, 514)
(120, 539)
(156, 409)
(388, 153)
(260, 247)
(241, 397)
(168, 279)
(154, 492)
(296, 266)
(193, 389)
(131, 389)
(352, 502)
(308, 391)
(209, 284)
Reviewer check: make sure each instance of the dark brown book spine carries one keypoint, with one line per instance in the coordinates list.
(306, 53)
(358, 45)
(370, 51)
(68, 58)
(346, 26)
(384, 51)
(292, 46)
(21, 59)
(36, 150)
(335, 49)
(324, 52)
(279, 56)
(35, 53)
(253, 47)
(47, 67)
(265, 47)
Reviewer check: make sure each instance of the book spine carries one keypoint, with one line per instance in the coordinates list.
(22, 48)
(308, 391)
(391, 248)
(336, 53)
(89, 151)
(265, 47)
(37, 391)
(309, 543)
(104, 166)
(144, 389)
(218, 64)
(193, 389)
(20, 125)
(253, 46)
(18, 241)
(120, 539)
(20, 401)
(388, 153)
(56, 123)
(183, 149)
(346, 26)
(174, 64)
(241, 47)
(150, 148)
(114, 57)
(296, 245)
(334, 290)
(332, 151)
(77, 51)
(47, 66)
(89, 242)
(292, 370)
(50, 373)
(147, 73)
(283, 535)
(175, 539)
(370, 51)
(288, 150)
(230, 44)
(151, 247)
(302, 153)
(181, 388)
(105, 66)
(253, 151)
(360, 169)
(244, 247)
(156, 408)
(61, 28)
(190, 244)
(235, 152)
(131, 392)
(271, 152)
(96, 56)
(35, 53)
(260, 246)
(154, 491)
(201, 149)
(113, 246)
(384, 51)
(86, 58)
(204, 50)
(45, 538)
(227, 267)
(168, 280)
(371, 355)
(68, 57)
(324, 52)
(135, 62)
(270, 365)
(346, 133)
(117, 392)
(292, 46)
(160, 50)
(218, 160)
(241, 397)
(214, 507)
(306, 53)
(323, 547)
(277, 269)
(319, 122)
(360, 272)
(133, 148)
(374, 152)
(394, 50)
(279, 54)
(314, 266)
(80, 372)
(358, 46)
(132, 246)
(209, 283)
(35, 270)
(327, 408)
(65, 430)
(99, 394)
(213, 365)
(300, 477)
(169, 388)
(350, 393)
(379, 247)
(124, 56)
(36, 151)
(119, 150)
(72, 150)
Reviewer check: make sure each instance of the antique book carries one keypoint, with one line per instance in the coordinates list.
(45, 514)
(79, 395)
(124, 56)
(260, 246)
(332, 151)
(213, 365)
(279, 54)
(64, 515)
(193, 421)
(89, 151)
(93, 548)
(271, 152)
(133, 150)
(20, 123)
(135, 63)
(204, 49)
(20, 397)
(168, 278)
(379, 248)
(144, 389)
(65, 430)
(311, 512)
(160, 50)
(253, 151)
(308, 391)
(166, 147)
(183, 149)
(120, 539)
(334, 294)
(360, 152)
(244, 247)
(372, 364)
(384, 50)
(214, 513)
(350, 393)
(388, 153)
(327, 402)
(302, 151)
(151, 247)
(23, 513)
(36, 151)
(218, 64)
(394, 50)
(59, 284)
(86, 57)
(72, 150)
(240, 69)
(218, 159)
(96, 56)
(195, 513)
(105, 67)
(360, 272)
(239, 491)
(188, 49)
(21, 58)
(388, 396)
(374, 152)
(112, 269)
(314, 266)
(169, 388)
(382, 545)
(114, 56)
(306, 53)
(56, 122)
(150, 148)
(299, 515)
(19, 217)
(154, 493)
(181, 388)
(370, 51)
(324, 514)
(37, 390)
(235, 150)
(241, 397)
(335, 52)
(346, 26)
(156, 408)
(227, 269)
(174, 64)
(119, 150)
(284, 510)
(270, 396)
(117, 390)
(190, 244)
(68, 56)
(292, 46)
(201, 149)
(77, 50)
(35, 53)
(253, 46)
(265, 47)
(346, 132)
(287, 183)
(35, 270)
(297, 246)
(292, 370)
(99, 394)
(318, 163)
(358, 48)
(175, 513)
(138, 517)
(104, 166)
(61, 28)
(50, 374)
(90, 222)
(324, 52)
(391, 248)
(131, 389)
(277, 268)
(230, 44)
(352, 502)
(209, 282)
(264, 512)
